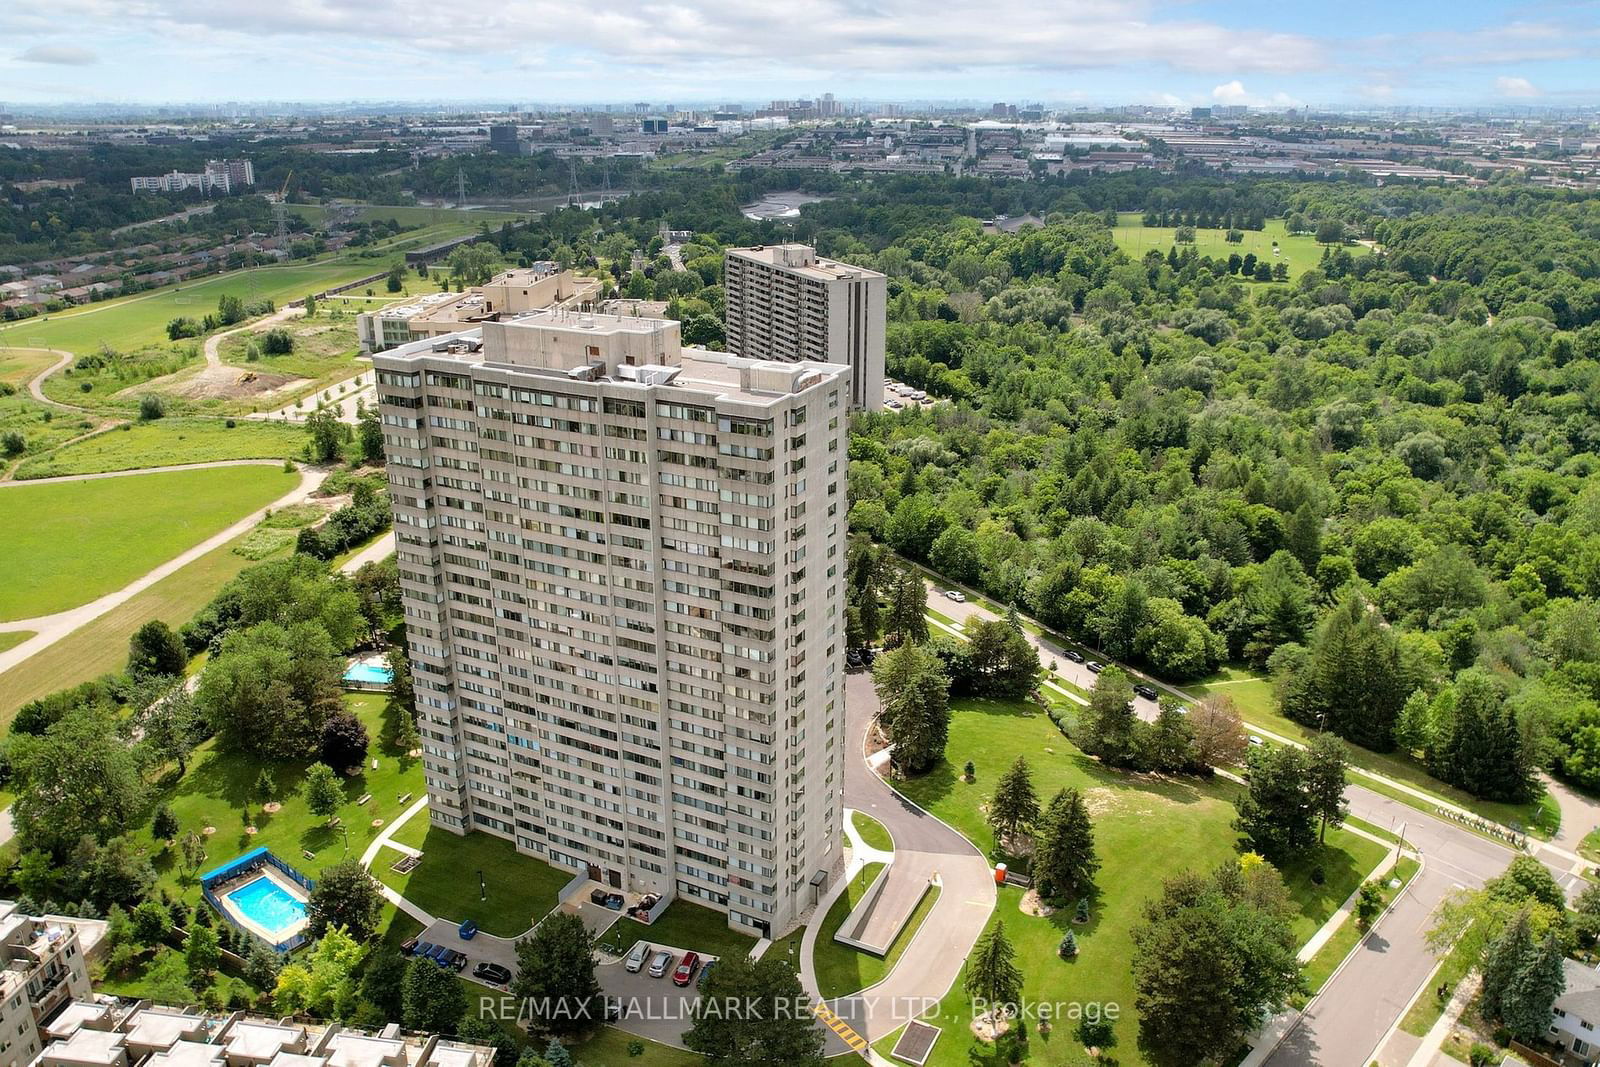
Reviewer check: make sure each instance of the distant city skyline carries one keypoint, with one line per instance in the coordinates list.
(1206, 52)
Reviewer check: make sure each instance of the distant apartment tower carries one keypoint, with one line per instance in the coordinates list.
(503, 138)
(622, 564)
(786, 302)
(220, 176)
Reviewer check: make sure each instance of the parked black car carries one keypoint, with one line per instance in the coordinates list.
(1146, 691)
(492, 973)
(1074, 655)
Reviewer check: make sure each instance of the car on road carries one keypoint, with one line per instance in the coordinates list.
(1146, 691)
(956, 595)
(686, 969)
(469, 930)
(661, 964)
(1095, 666)
(493, 973)
(852, 658)
(1254, 740)
(1074, 655)
(636, 958)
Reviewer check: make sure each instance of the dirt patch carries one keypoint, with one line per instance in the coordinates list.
(218, 381)
(1033, 904)
(988, 1027)
(1103, 800)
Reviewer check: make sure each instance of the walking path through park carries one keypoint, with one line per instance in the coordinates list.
(214, 342)
(48, 629)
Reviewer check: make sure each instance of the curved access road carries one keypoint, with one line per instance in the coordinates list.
(48, 629)
(924, 846)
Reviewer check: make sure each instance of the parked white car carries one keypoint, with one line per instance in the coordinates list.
(957, 595)
(636, 958)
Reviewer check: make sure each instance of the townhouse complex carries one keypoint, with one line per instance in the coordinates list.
(786, 302)
(622, 563)
(46, 965)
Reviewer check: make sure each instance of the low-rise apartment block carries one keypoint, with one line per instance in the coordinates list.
(220, 176)
(622, 563)
(786, 302)
(46, 965)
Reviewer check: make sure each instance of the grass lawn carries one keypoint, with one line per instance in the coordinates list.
(168, 442)
(75, 541)
(1300, 251)
(1345, 861)
(322, 345)
(102, 645)
(410, 215)
(18, 365)
(873, 833)
(163, 975)
(1195, 833)
(521, 889)
(13, 638)
(840, 968)
(684, 925)
(42, 427)
(219, 791)
(1251, 693)
(1320, 967)
(140, 320)
(1426, 1011)
(609, 1047)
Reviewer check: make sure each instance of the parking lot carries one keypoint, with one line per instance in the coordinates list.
(652, 1007)
(898, 396)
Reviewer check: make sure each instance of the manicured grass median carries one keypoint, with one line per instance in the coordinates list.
(873, 833)
(71, 542)
(167, 443)
(836, 964)
(842, 969)
(13, 638)
(683, 925)
(520, 889)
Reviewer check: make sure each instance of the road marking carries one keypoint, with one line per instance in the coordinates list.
(845, 1031)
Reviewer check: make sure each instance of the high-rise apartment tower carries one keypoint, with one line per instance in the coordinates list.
(786, 302)
(622, 564)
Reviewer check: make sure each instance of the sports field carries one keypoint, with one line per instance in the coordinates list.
(75, 541)
(1300, 251)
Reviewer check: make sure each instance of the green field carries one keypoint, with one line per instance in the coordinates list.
(873, 833)
(684, 925)
(1300, 251)
(78, 540)
(140, 320)
(219, 792)
(519, 889)
(18, 365)
(1196, 833)
(101, 646)
(426, 217)
(168, 442)
(13, 638)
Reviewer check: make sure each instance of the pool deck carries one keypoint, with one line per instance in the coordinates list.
(282, 881)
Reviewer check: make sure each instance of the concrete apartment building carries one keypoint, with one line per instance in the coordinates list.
(512, 292)
(46, 965)
(220, 175)
(622, 567)
(786, 302)
(106, 1032)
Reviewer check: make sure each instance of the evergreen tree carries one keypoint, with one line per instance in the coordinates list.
(1504, 957)
(1325, 782)
(1275, 814)
(1107, 726)
(555, 966)
(914, 693)
(1015, 806)
(1527, 999)
(1064, 861)
(993, 980)
(1352, 682)
(556, 1054)
(1169, 743)
(908, 607)
(1303, 536)
(766, 1031)
(1481, 747)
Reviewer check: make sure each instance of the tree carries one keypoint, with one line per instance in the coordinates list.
(151, 407)
(155, 649)
(765, 1030)
(1414, 730)
(150, 922)
(1064, 861)
(993, 981)
(914, 693)
(268, 691)
(1002, 661)
(1219, 739)
(1480, 745)
(1168, 745)
(170, 722)
(310, 304)
(327, 435)
(266, 788)
(321, 980)
(432, 1000)
(193, 850)
(1505, 956)
(556, 973)
(1014, 806)
(164, 824)
(324, 794)
(345, 896)
(1330, 232)
(908, 607)
(396, 280)
(201, 952)
(1352, 682)
(556, 1054)
(473, 263)
(1214, 957)
(1107, 726)
(1325, 782)
(1586, 914)
(261, 965)
(1369, 904)
(1527, 1000)
(369, 432)
(1275, 814)
(344, 740)
(79, 779)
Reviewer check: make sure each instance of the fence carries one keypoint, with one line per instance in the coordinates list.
(253, 860)
(1484, 826)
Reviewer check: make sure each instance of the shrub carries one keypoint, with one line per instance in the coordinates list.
(151, 407)
(230, 424)
(277, 342)
(636, 1048)
(1481, 1055)
(13, 443)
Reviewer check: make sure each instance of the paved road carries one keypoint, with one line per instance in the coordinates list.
(48, 629)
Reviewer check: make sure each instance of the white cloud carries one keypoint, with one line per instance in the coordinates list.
(65, 55)
(1518, 87)
(1234, 92)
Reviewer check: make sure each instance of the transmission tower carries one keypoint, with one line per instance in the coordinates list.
(461, 188)
(572, 184)
(280, 212)
(605, 193)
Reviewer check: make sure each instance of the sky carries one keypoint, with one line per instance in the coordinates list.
(523, 52)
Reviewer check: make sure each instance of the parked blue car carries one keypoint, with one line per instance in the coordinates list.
(423, 948)
(469, 930)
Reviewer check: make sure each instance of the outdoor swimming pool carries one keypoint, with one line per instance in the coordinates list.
(368, 674)
(268, 905)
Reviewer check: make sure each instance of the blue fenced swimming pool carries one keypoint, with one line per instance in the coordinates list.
(368, 675)
(268, 905)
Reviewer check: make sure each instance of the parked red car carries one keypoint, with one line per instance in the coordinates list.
(685, 972)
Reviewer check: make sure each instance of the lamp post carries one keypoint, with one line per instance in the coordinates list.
(483, 887)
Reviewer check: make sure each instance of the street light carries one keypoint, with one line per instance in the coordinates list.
(483, 887)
